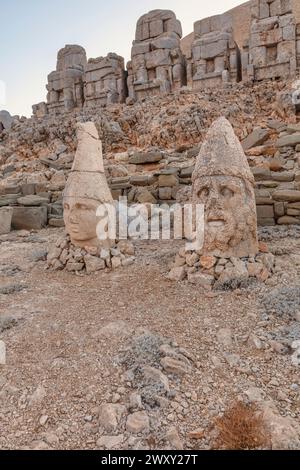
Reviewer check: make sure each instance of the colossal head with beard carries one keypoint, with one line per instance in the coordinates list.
(224, 184)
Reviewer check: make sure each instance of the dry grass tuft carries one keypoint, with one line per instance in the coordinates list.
(242, 427)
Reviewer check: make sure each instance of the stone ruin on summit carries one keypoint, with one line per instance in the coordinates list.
(157, 64)
(258, 40)
(65, 85)
(271, 49)
(215, 55)
(105, 81)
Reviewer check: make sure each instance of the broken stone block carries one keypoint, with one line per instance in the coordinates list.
(9, 199)
(138, 423)
(287, 195)
(141, 158)
(165, 181)
(110, 415)
(93, 264)
(5, 219)
(257, 137)
(32, 200)
(29, 218)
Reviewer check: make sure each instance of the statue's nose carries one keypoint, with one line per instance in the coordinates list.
(213, 199)
(72, 217)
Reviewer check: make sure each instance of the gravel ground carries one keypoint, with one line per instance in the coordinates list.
(64, 335)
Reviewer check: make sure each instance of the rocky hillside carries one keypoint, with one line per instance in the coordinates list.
(150, 149)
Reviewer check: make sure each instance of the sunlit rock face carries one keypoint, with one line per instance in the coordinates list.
(224, 184)
(86, 190)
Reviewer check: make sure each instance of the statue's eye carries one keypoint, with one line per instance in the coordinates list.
(226, 192)
(203, 193)
(66, 207)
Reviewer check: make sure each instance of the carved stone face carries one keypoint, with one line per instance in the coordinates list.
(81, 221)
(230, 215)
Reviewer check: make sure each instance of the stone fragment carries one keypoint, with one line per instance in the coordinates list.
(138, 423)
(284, 431)
(38, 396)
(110, 416)
(126, 247)
(224, 337)
(93, 264)
(177, 274)
(288, 140)
(9, 199)
(6, 120)
(110, 442)
(288, 220)
(174, 440)
(175, 366)
(167, 181)
(157, 378)
(116, 262)
(6, 214)
(141, 158)
(201, 279)
(29, 218)
(257, 137)
(146, 197)
(286, 195)
(192, 259)
(32, 201)
(207, 262)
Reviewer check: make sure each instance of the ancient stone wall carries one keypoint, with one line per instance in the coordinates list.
(157, 64)
(105, 81)
(257, 40)
(215, 57)
(271, 52)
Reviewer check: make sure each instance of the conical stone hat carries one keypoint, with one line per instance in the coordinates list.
(87, 178)
(221, 154)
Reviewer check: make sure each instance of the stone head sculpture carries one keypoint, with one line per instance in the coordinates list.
(86, 190)
(224, 184)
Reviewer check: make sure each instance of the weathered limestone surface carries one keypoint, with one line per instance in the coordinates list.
(66, 84)
(215, 55)
(5, 219)
(105, 81)
(157, 64)
(29, 218)
(223, 182)
(271, 50)
(86, 189)
(6, 120)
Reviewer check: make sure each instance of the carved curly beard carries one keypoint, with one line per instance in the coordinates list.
(230, 234)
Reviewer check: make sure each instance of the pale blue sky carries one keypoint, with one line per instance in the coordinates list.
(32, 31)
